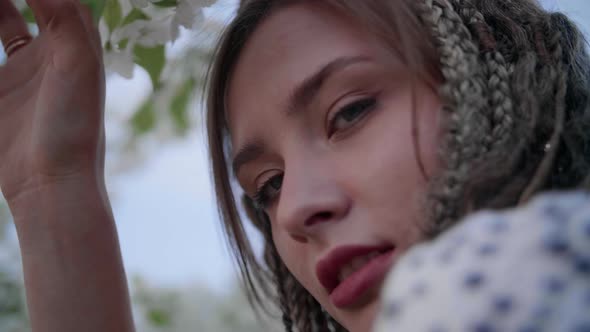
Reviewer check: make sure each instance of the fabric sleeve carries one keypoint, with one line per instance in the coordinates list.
(523, 270)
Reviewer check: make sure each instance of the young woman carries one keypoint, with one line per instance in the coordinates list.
(356, 130)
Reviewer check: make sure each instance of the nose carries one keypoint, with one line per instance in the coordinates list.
(310, 196)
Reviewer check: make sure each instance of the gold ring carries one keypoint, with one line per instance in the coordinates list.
(16, 43)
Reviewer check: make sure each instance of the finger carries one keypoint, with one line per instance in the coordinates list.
(12, 25)
(91, 28)
(42, 12)
(60, 18)
(46, 11)
(68, 14)
(70, 41)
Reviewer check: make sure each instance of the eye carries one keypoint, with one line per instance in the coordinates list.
(350, 114)
(268, 191)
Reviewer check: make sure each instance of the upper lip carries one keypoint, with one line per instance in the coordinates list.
(328, 268)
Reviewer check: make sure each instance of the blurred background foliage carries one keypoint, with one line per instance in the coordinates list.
(171, 41)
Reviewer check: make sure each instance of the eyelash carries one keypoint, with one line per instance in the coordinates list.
(366, 105)
(262, 199)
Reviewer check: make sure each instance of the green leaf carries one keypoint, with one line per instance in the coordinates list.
(180, 104)
(144, 119)
(166, 3)
(96, 6)
(113, 14)
(152, 59)
(135, 15)
(159, 318)
(28, 15)
(123, 44)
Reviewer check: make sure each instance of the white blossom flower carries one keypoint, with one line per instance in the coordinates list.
(188, 14)
(20, 4)
(120, 62)
(202, 3)
(185, 14)
(146, 33)
(161, 27)
(193, 3)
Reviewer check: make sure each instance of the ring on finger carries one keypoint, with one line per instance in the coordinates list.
(15, 44)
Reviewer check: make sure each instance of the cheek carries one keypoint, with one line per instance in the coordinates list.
(402, 145)
(394, 180)
(388, 180)
(386, 154)
(296, 256)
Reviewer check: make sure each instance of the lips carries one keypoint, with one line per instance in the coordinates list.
(348, 272)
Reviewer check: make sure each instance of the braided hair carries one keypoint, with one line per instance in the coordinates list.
(515, 84)
(529, 122)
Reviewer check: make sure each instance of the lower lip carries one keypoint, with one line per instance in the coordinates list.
(351, 289)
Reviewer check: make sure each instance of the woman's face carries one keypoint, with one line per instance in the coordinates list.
(320, 115)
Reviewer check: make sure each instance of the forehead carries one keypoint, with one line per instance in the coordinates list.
(289, 46)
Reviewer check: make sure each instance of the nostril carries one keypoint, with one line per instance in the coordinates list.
(319, 217)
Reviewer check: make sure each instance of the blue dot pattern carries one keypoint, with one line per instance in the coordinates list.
(525, 269)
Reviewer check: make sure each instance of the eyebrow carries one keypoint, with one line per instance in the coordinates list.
(246, 154)
(301, 97)
(307, 90)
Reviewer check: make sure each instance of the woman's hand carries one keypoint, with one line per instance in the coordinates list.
(51, 97)
(51, 170)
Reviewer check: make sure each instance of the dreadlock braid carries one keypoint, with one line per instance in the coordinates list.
(300, 299)
(281, 275)
(465, 109)
(295, 302)
(512, 130)
(278, 271)
(503, 120)
(527, 82)
(287, 287)
(507, 126)
(539, 62)
(318, 316)
(560, 84)
(304, 313)
(497, 77)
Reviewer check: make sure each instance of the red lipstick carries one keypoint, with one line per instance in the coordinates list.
(348, 272)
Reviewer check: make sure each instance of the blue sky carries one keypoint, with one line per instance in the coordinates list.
(164, 209)
(167, 221)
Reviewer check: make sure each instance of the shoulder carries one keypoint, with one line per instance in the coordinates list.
(524, 268)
